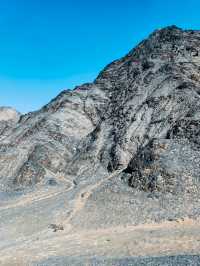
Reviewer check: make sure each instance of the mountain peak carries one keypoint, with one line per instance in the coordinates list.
(171, 28)
(131, 138)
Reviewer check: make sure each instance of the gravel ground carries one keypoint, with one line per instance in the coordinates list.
(181, 260)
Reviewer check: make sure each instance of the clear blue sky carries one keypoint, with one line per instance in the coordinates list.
(49, 45)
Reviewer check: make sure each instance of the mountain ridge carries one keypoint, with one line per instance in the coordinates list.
(131, 137)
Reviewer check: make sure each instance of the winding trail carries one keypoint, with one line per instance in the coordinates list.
(36, 197)
(85, 194)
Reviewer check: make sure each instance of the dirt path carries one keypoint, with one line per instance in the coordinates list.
(85, 194)
(35, 197)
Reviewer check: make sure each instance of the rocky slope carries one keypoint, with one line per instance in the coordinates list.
(131, 137)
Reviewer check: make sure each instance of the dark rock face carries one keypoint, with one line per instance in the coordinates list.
(142, 114)
(168, 166)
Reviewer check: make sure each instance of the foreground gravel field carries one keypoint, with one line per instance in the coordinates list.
(157, 261)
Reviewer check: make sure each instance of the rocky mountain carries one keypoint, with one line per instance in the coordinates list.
(131, 137)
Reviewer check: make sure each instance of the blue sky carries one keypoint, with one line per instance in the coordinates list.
(47, 46)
